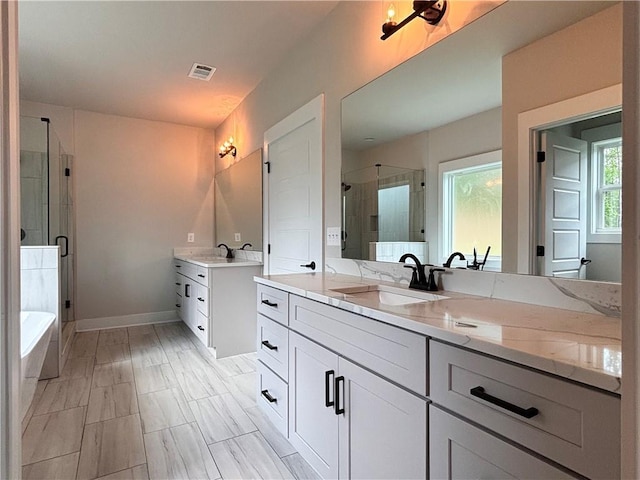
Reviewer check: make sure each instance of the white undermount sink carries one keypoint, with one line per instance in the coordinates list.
(392, 296)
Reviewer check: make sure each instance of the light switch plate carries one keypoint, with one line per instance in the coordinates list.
(237, 237)
(191, 237)
(333, 236)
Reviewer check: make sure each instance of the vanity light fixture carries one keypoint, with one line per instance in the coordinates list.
(430, 11)
(227, 148)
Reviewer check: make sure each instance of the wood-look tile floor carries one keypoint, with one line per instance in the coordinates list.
(151, 402)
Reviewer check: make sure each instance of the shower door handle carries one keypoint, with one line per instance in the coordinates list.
(66, 245)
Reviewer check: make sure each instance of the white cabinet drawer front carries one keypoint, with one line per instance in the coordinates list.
(459, 450)
(273, 303)
(185, 268)
(273, 346)
(202, 299)
(202, 275)
(397, 354)
(273, 397)
(570, 424)
(179, 284)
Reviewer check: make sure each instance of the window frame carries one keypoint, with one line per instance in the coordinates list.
(470, 163)
(597, 137)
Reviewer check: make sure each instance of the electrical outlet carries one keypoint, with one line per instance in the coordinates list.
(333, 236)
(237, 237)
(191, 237)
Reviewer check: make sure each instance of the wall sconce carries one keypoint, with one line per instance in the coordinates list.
(430, 11)
(227, 148)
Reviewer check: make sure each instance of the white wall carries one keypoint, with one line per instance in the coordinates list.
(594, 46)
(341, 55)
(140, 187)
(472, 135)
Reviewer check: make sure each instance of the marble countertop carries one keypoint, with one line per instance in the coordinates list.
(583, 347)
(215, 261)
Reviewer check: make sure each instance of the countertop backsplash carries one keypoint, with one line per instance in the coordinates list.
(577, 295)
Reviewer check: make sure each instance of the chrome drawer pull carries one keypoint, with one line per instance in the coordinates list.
(523, 412)
(269, 304)
(269, 346)
(265, 394)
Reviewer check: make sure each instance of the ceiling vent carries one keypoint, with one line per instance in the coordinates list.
(202, 72)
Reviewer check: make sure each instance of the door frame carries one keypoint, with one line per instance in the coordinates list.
(585, 106)
(10, 418)
(313, 110)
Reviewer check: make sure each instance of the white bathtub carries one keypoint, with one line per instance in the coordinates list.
(35, 332)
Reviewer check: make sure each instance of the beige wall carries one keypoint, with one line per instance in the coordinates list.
(533, 77)
(341, 55)
(140, 187)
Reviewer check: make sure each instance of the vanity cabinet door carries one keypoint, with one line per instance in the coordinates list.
(458, 450)
(383, 430)
(313, 426)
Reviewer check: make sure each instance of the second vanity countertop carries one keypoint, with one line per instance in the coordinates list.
(579, 346)
(215, 261)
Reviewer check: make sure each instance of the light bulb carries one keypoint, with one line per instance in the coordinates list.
(391, 12)
(230, 140)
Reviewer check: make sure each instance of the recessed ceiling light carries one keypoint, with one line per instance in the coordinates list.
(369, 139)
(201, 71)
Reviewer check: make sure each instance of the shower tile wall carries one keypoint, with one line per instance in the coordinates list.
(33, 185)
(40, 291)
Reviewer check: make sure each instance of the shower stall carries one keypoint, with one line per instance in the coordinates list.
(383, 213)
(46, 203)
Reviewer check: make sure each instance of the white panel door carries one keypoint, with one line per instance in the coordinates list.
(564, 199)
(383, 430)
(313, 423)
(293, 188)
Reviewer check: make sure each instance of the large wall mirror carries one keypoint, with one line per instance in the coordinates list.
(441, 113)
(238, 203)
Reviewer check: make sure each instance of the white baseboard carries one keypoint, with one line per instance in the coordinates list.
(88, 324)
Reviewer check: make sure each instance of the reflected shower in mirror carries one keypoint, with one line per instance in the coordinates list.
(238, 203)
(383, 213)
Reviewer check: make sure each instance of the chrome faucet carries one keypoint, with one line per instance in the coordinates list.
(418, 278)
(229, 251)
(451, 257)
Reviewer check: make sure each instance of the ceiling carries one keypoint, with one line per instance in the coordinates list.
(132, 58)
(455, 78)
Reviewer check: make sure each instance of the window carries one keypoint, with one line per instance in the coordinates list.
(607, 187)
(471, 208)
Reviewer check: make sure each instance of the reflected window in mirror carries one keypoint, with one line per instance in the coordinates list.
(471, 209)
(606, 203)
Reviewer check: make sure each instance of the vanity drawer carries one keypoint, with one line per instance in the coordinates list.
(573, 425)
(273, 303)
(273, 397)
(392, 352)
(202, 299)
(185, 268)
(202, 275)
(179, 283)
(273, 346)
